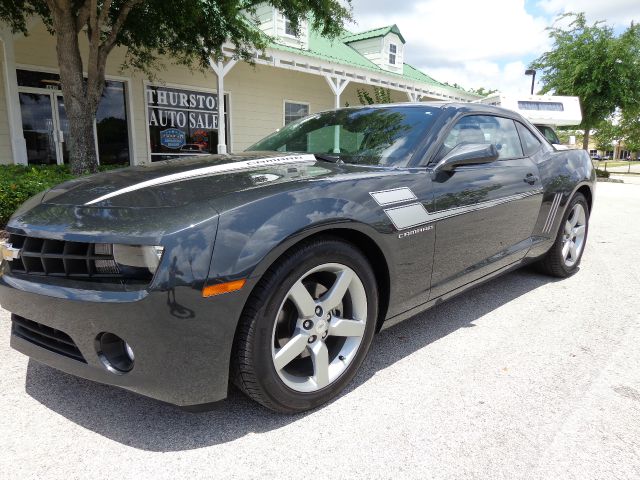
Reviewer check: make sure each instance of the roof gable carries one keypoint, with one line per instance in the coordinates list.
(376, 32)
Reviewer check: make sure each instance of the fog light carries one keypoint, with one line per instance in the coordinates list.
(114, 353)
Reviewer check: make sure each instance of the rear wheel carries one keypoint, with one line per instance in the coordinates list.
(307, 327)
(563, 258)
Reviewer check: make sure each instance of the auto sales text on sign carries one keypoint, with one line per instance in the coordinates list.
(169, 107)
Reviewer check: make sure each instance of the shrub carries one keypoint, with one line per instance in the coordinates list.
(602, 173)
(19, 182)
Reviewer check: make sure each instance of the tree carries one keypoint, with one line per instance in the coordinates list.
(606, 134)
(482, 92)
(190, 32)
(630, 130)
(591, 62)
(564, 134)
(380, 95)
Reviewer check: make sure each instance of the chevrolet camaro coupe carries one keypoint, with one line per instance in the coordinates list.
(273, 269)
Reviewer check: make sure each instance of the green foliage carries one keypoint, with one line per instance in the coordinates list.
(630, 130)
(189, 32)
(606, 134)
(185, 32)
(380, 95)
(591, 62)
(482, 92)
(565, 132)
(18, 183)
(602, 173)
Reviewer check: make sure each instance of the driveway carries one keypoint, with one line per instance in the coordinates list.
(524, 377)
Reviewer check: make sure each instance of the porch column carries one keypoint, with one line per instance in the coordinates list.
(14, 116)
(337, 86)
(414, 97)
(221, 69)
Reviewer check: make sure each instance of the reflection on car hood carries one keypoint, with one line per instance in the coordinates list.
(183, 181)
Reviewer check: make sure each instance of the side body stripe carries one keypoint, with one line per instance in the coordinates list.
(415, 214)
(552, 213)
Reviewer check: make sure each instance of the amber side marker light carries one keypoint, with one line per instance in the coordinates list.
(221, 288)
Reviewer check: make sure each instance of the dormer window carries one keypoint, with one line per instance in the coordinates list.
(393, 50)
(288, 28)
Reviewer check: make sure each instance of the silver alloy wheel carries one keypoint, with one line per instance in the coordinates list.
(319, 327)
(575, 230)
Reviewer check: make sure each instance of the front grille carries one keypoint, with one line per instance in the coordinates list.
(45, 337)
(59, 258)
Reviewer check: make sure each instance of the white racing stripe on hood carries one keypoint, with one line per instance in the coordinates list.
(213, 170)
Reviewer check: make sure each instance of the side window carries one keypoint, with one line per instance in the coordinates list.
(485, 129)
(530, 143)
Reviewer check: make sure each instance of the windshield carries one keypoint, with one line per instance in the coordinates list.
(386, 136)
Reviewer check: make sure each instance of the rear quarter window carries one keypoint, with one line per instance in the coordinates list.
(530, 143)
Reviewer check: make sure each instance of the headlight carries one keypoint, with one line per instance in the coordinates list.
(137, 257)
(129, 260)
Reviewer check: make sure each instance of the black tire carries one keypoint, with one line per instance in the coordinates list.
(553, 263)
(252, 368)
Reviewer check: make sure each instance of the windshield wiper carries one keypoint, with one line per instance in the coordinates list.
(328, 157)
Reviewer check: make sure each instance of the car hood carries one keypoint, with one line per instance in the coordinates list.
(175, 183)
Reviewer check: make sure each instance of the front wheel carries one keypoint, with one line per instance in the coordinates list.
(307, 327)
(563, 258)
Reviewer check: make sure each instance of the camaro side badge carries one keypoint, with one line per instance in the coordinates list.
(8, 252)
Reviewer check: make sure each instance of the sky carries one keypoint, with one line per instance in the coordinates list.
(486, 43)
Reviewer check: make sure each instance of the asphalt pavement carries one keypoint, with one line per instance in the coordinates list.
(523, 377)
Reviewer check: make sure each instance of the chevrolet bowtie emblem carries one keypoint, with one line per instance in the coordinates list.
(8, 252)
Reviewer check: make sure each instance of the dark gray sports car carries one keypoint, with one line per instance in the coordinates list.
(274, 268)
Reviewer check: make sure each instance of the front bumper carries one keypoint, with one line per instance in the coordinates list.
(182, 342)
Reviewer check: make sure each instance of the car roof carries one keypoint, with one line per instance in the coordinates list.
(460, 106)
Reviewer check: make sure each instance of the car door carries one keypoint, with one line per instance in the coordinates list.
(487, 211)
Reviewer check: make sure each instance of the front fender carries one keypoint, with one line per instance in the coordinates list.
(252, 237)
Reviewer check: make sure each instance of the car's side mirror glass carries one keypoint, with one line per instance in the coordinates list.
(468, 154)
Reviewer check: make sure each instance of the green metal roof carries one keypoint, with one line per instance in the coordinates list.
(337, 51)
(376, 32)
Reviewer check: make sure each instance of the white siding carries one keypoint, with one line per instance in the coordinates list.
(265, 16)
(377, 50)
(302, 41)
(6, 155)
(388, 39)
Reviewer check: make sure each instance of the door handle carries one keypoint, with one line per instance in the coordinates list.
(531, 178)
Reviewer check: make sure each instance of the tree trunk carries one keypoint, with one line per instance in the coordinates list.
(80, 103)
(585, 139)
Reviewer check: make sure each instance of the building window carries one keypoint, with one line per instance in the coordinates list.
(288, 28)
(182, 122)
(294, 111)
(112, 125)
(46, 126)
(393, 50)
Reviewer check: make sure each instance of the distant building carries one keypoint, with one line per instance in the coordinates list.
(141, 120)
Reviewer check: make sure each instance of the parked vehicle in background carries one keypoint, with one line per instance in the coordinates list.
(274, 268)
(546, 112)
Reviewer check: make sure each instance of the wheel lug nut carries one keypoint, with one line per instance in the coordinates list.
(324, 335)
(319, 311)
(342, 358)
(312, 339)
(328, 317)
(307, 324)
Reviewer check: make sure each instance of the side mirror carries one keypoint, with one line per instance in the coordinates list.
(468, 154)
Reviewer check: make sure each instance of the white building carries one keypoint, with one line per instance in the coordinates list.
(140, 120)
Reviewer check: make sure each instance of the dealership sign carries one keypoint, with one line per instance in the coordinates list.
(172, 138)
(181, 109)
